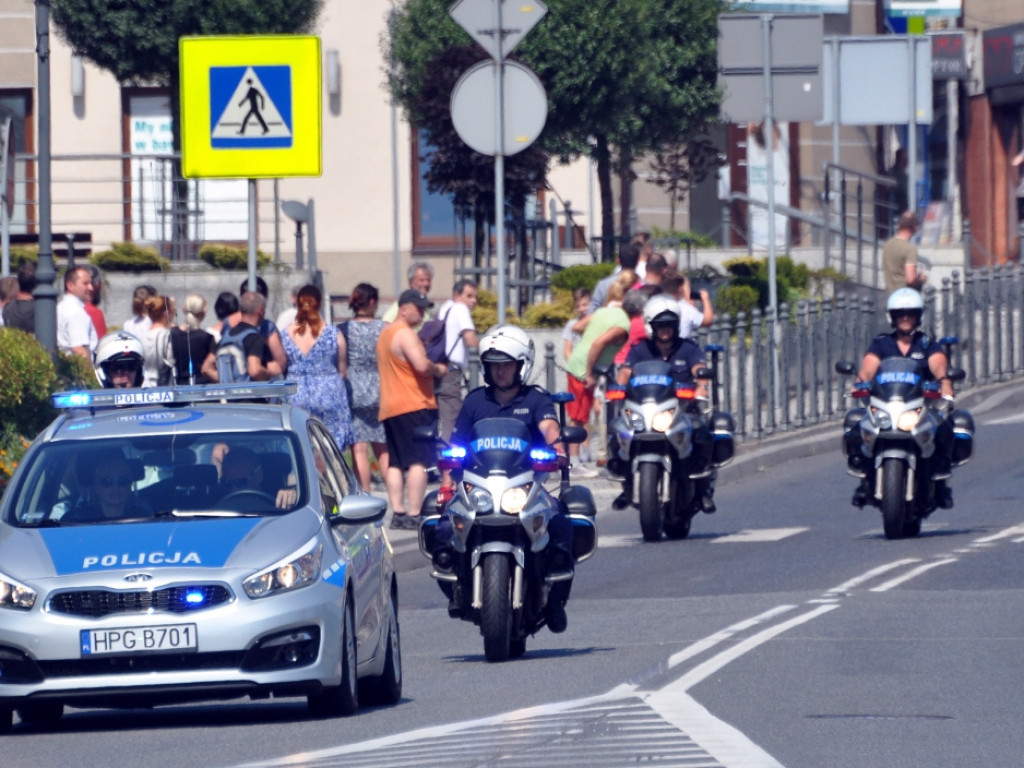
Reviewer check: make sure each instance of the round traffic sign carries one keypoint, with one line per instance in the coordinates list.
(474, 108)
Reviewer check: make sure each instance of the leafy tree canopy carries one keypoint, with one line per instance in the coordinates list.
(138, 41)
(623, 77)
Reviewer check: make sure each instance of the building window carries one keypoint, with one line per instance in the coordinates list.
(17, 105)
(434, 221)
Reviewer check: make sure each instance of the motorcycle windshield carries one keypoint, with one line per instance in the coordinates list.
(898, 378)
(650, 380)
(500, 446)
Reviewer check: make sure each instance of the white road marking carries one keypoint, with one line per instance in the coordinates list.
(856, 581)
(1016, 418)
(726, 744)
(746, 536)
(912, 574)
(754, 535)
(707, 668)
(1014, 530)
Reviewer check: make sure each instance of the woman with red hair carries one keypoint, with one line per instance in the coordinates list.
(317, 362)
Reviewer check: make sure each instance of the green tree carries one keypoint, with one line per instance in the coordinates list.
(623, 77)
(137, 41)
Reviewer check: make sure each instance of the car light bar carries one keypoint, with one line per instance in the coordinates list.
(204, 393)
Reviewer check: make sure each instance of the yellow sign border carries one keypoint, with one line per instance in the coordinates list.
(200, 159)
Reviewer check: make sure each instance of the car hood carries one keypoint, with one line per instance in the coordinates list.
(246, 542)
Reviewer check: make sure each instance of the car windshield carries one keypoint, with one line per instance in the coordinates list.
(146, 477)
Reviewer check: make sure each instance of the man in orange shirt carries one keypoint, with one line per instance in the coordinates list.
(407, 401)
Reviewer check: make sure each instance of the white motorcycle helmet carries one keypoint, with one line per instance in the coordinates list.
(658, 310)
(506, 343)
(905, 300)
(118, 347)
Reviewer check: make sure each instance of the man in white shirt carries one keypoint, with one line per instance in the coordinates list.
(691, 318)
(76, 333)
(460, 333)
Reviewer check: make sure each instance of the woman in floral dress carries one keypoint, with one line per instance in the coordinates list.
(316, 361)
(361, 338)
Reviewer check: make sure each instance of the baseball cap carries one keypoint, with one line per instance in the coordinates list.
(411, 296)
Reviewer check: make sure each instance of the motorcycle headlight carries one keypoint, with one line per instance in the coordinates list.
(296, 571)
(908, 420)
(479, 499)
(14, 594)
(881, 418)
(513, 501)
(663, 420)
(634, 420)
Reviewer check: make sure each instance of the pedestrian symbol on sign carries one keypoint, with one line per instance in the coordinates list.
(250, 107)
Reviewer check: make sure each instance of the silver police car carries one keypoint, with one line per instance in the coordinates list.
(176, 545)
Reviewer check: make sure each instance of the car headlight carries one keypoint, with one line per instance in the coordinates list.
(14, 594)
(908, 420)
(513, 501)
(297, 571)
(663, 420)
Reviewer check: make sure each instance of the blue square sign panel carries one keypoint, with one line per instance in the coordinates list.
(251, 107)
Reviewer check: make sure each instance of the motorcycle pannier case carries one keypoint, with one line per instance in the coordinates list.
(963, 437)
(724, 448)
(578, 503)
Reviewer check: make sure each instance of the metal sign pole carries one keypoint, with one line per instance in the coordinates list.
(769, 142)
(252, 235)
(499, 165)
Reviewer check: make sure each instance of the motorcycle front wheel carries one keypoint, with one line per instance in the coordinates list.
(652, 515)
(894, 494)
(496, 612)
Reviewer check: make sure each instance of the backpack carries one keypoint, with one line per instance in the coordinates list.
(232, 365)
(432, 334)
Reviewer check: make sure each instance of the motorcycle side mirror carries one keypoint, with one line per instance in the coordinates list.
(425, 433)
(562, 397)
(956, 374)
(845, 368)
(574, 434)
(705, 373)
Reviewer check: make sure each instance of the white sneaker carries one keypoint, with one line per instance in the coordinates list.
(582, 472)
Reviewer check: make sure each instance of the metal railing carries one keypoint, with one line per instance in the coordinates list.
(984, 309)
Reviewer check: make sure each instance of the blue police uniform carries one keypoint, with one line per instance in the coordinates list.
(531, 405)
(685, 355)
(922, 347)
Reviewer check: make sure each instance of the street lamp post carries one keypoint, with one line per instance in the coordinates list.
(45, 293)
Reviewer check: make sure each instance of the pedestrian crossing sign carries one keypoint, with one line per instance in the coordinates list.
(250, 106)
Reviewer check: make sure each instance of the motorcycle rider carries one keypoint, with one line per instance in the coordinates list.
(906, 308)
(507, 355)
(119, 361)
(663, 342)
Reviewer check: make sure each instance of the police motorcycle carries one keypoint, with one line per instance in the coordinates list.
(896, 441)
(670, 442)
(500, 562)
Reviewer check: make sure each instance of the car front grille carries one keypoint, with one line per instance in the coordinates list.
(94, 603)
(124, 665)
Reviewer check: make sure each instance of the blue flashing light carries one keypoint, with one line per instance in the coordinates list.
(72, 400)
(543, 455)
(195, 597)
(454, 452)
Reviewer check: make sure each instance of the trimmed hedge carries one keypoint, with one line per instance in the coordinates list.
(129, 257)
(230, 257)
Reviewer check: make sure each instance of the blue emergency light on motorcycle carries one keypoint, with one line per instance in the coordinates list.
(451, 457)
(544, 459)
